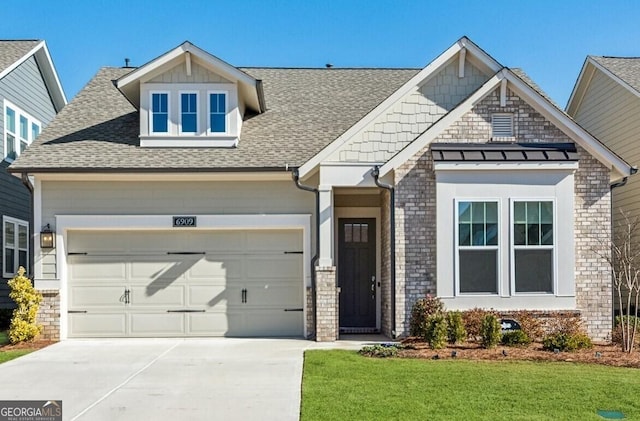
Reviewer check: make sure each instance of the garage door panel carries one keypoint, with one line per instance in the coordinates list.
(210, 296)
(158, 295)
(153, 268)
(217, 241)
(275, 294)
(270, 240)
(278, 266)
(90, 296)
(97, 268)
(214, 323)
(273, 323)
(97, 325)
(217, 267)
(157, 324)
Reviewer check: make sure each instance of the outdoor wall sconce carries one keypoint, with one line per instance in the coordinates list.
(47, 238)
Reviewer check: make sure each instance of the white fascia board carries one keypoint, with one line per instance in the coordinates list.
(579, 89)
(223, 68)
(432, 69)
(444, 123)
(505, 166)
(570, 127)
(257, 176)
(50, 76)
(347, 174)
(614, 77)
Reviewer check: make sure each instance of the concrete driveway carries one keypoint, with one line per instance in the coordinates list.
(163, 379)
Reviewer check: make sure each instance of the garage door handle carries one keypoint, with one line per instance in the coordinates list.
(185, 253)
(244, 295)
(293, 309)
(76, 311)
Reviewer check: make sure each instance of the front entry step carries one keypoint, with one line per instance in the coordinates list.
(348, 330)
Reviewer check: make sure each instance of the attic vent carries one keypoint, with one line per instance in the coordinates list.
(501, 125)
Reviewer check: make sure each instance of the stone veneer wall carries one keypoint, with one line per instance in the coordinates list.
(327, 302)
(49, 314)
(416, 214)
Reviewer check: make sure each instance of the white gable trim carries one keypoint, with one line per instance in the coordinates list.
(49, 74)
(463, 44)
(439, 126)
(534, 99)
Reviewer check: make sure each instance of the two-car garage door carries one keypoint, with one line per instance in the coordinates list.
(187, 283)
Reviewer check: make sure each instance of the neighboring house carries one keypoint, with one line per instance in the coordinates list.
(169, 188)
(606, 101)
(30, 96)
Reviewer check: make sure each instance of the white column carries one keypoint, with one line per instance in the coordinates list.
(326, 226)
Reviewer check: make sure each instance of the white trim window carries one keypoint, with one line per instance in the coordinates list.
(477, 247)
(15, 245)
(217, 104)
(189, 112)
(533, 246)
(20, 129)
(159, 121)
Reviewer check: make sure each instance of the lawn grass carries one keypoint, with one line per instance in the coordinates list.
(342, 385)
(4, 337)
(10, 355)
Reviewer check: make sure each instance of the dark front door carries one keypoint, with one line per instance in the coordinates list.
(356, 272)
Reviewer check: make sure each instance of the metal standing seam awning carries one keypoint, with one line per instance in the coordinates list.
(504, 152)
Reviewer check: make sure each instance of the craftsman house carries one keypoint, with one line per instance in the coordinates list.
(189, 197)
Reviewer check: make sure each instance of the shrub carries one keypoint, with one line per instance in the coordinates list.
(23, 325)
(381, 350)
(490, 331)
(616, 335)
(515, 338)
(436, 333)
(473, 321)
(420, 312)
(566, 342)
(563, 323)
(455, 327)
(531, 325)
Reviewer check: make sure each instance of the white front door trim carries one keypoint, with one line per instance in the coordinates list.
(66, 223)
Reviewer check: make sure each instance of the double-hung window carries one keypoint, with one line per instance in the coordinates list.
(217, 112)
(189, 112)
(160, 112)
(533, 246)
(20, 129)
(478, 247)
(15, 245)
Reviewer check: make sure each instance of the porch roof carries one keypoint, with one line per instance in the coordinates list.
(504, 152)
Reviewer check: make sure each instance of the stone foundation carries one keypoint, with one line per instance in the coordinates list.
(49, 314)
(327, 302)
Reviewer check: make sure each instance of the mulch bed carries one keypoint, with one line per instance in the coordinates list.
(605, 354)
(36, 344)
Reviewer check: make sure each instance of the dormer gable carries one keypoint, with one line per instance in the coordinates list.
(190, 98)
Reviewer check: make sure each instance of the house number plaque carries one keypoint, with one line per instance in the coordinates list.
(184, 221)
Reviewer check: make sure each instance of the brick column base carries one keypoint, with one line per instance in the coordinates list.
(327, 302)
(49, 314)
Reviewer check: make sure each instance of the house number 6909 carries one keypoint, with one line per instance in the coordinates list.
(184, 221)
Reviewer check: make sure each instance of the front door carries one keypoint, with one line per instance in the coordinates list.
(356, 272)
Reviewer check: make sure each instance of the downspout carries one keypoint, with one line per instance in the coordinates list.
(296, 179)
(392, 246)
(27, 183)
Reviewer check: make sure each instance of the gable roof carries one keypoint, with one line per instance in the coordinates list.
(623, 70)
(249, 87)
(534, 98)
(307, 109)
(463, 45)
(15, 52)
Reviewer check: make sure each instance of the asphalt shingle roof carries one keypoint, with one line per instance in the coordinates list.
(626, 68)
(12, 51)
(306, 110)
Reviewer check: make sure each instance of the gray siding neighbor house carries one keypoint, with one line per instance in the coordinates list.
(30, 96)
(189, 197)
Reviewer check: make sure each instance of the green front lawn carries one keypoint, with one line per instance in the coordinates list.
(10, 355)
(342, 385)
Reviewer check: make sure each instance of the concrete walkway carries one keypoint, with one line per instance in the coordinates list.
(166, 379)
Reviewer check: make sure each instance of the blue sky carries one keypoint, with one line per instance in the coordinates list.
(548, 39)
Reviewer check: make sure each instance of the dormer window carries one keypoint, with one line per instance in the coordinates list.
(189, 112)
(20, 129)
(217, 112)
(160, 112)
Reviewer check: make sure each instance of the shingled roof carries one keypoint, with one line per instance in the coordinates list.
(12, 51)
(626, 68)
(306, 110)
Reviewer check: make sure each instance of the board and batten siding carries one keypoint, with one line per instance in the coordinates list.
(168, 198)
(26, 89)
(409, 117)
(612, 114)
